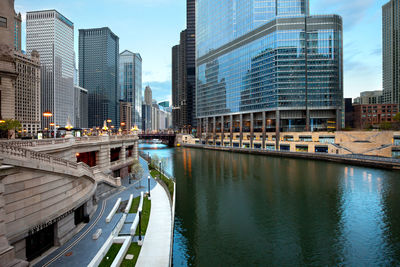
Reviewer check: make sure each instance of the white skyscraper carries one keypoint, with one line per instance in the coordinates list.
(52, 35)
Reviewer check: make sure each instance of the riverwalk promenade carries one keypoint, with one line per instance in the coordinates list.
(81, 249)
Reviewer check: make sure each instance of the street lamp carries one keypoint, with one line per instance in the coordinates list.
(148, 184)
(48, 114)
(160, 169)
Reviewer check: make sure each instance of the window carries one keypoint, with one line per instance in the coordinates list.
(3, 22)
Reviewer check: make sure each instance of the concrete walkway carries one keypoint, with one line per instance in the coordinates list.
(80, 249)
(156, 246)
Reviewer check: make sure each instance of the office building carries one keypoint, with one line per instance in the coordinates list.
(164, 104)
(17, 31)
(391, 51)
(147, 109)
(175, 87)
(370, 97)
(52, 35)
(27, 92)
(98, 73)
(125, 109)
(130, 81)
(148, 94)
(372, 115)
(348, 113)
(81, 101)
(8, 72)
(267, 66)
(184, 74)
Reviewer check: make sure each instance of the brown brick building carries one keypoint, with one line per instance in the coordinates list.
(374, 114)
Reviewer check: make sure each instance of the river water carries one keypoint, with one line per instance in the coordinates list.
(251, 210)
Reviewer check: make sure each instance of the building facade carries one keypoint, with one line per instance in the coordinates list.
(8, 72)
(27, 92)
(81, 102)
(52, 35)
(372, 115)
(267, 66)
(391, 51)
(17, 32)
(370, 97)
(147, 110)
(98, 73)
(130, 81)
(125, 114)
(175, 87)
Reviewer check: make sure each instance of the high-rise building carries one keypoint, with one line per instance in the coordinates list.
(125, 109)
(27, 92)
(147, 110)
(8, 72)
(391, 51)
(17, 31)
(175, 88)
(81, 102)
(370, 97)
(130, 82)
(267, 66)
(148, 100)
(98, 73)
(52, 35)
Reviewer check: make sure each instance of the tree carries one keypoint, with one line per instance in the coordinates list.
(397, 117)
(385, 126)
(9, 126)
(154, 161)
(137, 170)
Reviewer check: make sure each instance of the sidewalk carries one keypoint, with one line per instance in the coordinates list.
(156, 246)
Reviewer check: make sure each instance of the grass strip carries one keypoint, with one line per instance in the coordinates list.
(135, 205)
(145, 216)
(134, 249)
(111, 254)
(168, 182)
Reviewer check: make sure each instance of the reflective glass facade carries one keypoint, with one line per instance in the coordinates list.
(272, 56)
(130, 82)
(98, 73)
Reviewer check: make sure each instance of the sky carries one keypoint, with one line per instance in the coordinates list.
(152, 27)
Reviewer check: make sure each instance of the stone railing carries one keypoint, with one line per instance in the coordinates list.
(21, 156)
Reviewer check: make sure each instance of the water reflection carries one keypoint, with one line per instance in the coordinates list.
(237, 209)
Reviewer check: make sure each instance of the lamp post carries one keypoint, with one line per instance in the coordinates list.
(148, 184)
(48, 114)
(140, 227)
(160, 168)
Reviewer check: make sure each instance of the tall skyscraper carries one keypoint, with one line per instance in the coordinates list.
(80, 107)
(98, 73)
(148, 94)
(17, 31)
(267, 66)
(130, 82)
(175, 88)
(147, 110)
(391, 51)
(52, 35)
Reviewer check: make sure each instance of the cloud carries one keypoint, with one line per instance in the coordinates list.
(353, 11)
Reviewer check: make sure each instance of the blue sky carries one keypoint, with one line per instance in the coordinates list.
(152, 27)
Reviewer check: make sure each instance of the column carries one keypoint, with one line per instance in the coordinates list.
(214, 129)
(277, 129)
(251, 129)
(263, 129)
(206, 130)
(199, 128)
(231, 130)
(222, 131)
(122, 153)
(241, 130)
(307, 120)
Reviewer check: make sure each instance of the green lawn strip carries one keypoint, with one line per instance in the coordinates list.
(111, 254)
(145, 216)
(135, 205)
(168, 182)
(134, 249)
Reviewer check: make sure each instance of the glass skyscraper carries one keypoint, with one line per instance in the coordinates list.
(267, 66)
(130, 82)
(98, 73)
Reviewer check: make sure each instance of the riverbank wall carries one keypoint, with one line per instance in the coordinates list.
(360, 160)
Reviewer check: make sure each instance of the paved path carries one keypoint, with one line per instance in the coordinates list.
(156, 246)
(82, 246)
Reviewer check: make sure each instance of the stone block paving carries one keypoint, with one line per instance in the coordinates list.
(81, 249)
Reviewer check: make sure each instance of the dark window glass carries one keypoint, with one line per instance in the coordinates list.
(3, 22)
